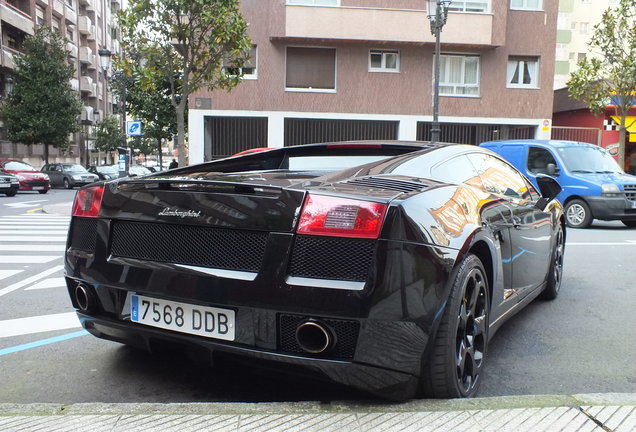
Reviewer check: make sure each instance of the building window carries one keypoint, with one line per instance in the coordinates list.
(39, 15)
(314, 2)
(523, 72)
(69, 34)
(583, 28)
(459, 75)
(580, 56)
(526, 4)
(470, 6)
(249, 67)
(384, 61)
(312, 69)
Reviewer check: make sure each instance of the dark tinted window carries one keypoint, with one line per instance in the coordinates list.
(538, 160)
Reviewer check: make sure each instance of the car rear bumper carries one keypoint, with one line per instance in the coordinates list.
(612, 208)
(382, 382)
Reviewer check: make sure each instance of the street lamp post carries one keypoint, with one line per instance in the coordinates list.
(437, 14)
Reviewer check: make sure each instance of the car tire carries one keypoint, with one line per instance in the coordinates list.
(457, 357)
(578, 214)
(43, 191)
(66, 184)
(629, 223)
(10, 194)
(555, 273)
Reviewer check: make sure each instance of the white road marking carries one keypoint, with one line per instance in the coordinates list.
(23, 238)
(25, 204)
(37, 231)
(623, 243)
(8, 273)
(38, 324)
(32, 248)
(57, 282)
(27, 259)
(30, 280)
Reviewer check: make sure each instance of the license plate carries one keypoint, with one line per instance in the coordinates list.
(38, 188)
(183, 317)
(5, 185)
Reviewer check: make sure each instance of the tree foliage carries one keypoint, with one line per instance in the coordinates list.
(608, 76)
(108, 134)
(185, 43)
(42, 107)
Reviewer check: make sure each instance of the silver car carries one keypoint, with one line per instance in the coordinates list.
(68, 175)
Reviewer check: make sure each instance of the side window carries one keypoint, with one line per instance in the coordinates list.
(457, 170)
(500, 178)
(538, 160)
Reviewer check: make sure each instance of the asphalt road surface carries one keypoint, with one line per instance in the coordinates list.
(580, 343)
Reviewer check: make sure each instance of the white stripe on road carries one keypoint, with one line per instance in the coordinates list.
(48, 283)
(37, 324)
(38, 231)
(23, 238)
(29, 281)
(8, 273)
(623, 243)
(27, 259)
(32, 248)
(22, 223)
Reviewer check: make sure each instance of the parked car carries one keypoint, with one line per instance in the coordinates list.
(68, 175)
(385, 266)
(138, 170)
(594, 186)
(29, 178)
(105, 172)
(9, 184)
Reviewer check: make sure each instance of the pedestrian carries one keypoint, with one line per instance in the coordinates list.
(173, 164)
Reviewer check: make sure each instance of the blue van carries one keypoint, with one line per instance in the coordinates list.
(594, 186)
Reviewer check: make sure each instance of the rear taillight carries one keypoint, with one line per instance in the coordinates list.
(342, 217)
(88, 201)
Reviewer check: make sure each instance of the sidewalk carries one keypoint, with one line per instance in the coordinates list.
(590, 412)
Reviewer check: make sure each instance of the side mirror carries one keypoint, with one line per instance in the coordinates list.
(552, 169)
(549, 188)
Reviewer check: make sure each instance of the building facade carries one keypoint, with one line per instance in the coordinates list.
(575, 26)
(88, 25)
(325, 70)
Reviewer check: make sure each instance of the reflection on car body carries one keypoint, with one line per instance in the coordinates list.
(389, 274)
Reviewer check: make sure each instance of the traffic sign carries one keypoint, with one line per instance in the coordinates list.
(133, 128)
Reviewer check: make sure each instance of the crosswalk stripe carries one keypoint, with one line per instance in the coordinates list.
(37, 232)
(37, 324)
(8, 273)
(58, 282)
(27, 259)
(32, 248)
(39, 238)
(30, 280)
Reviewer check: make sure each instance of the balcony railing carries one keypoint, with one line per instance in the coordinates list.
(384, 25)
(16, 17)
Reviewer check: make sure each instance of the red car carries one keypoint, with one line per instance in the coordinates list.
(30, 178)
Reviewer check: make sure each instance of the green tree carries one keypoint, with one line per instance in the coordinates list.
(608, 76)
(187, 43)
(42, 107)
(108, 135)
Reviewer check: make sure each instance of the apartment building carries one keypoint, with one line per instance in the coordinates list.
(363, 69)
(88, 25)
(575, 26)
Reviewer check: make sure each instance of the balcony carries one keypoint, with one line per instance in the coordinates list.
(58, 8)
(72, 49)
(16, 18)
(85, 26)
(86, 85)
(86, 55)
(384, 25)
(74, 84)
(8, 58)
(70, 16)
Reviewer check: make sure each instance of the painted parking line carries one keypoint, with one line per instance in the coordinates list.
(32, 248)
(8, 273)
(27, 259)
(48, 283)
(37, 238)
(623, 243)
(30, 280)
(42, 342)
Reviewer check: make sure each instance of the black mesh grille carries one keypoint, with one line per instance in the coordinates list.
(332, 258)
(630, 192)
(389, 184)
(191, 245)
(84, 234)
(345, 333)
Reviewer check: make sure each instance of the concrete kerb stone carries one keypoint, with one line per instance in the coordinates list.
(315, 407)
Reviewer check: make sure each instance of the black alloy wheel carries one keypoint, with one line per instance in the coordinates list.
(459, 352)
(578, 214)
(555, 273)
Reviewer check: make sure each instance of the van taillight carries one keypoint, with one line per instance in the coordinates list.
(88, 201)
(342, 217)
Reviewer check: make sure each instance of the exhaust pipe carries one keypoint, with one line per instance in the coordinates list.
(84, 298)
(314, 337)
